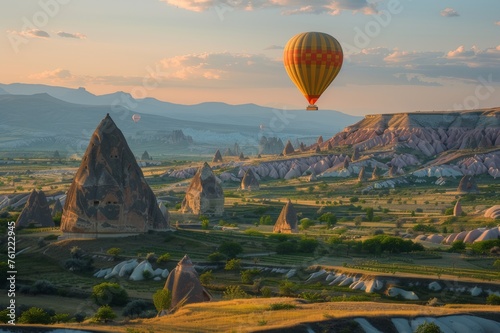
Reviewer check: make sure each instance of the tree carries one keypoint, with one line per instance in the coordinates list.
(34, 316)
(248, 275)
(428, 328)
(265, 220)
(108, 293)
(162, 300)
(233, 265)
(216, 256)
(286, 247)
(230, 249)
(457, 246)
(206, 278)
(307, 245)
(493, 300)
(234, 292)
(306, 223)
(329, 218)
(288, 288)
(104, 313)
(369, 214)
(163, 258)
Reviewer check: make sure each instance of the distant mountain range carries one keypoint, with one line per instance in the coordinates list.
(46, 118)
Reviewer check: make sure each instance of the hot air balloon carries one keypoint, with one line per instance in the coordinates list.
(136, 118)
(312, 60)
(261, 126)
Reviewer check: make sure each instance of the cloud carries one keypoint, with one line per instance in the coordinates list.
(33, 33)
(449, 12)
(290, 7)
(76, 35)
(58, 74)
(274, 47)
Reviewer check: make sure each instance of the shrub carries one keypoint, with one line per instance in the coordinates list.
(329, 218)
(34, 316)
(286, 248)
(248, 275)
(104, 313)
(114, 251)
(230, 249)
(60, 318)
(163, 258)
(253, 232)
(233, 265)
(493, 300)
(288, 288)
(216, 256)
(265, 220)
(457, 246)
(147, 275)
(42, 287)
(80, 316)
(282, 306)
(266, 292)
(306, 223)
(108, 293)
(79, 265)
(206, 278)
(76, 252)
(428, 328)
(135, 308)
(307, 245)
(234, 292)
(448, 211)
(151, 257)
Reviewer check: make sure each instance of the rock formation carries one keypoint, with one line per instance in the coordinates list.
(36, 212)
(217, 157)
(493, 212)
(361, 175)
(228, 152)
(109, 195)
(249, 181)
(355, 155)
(457, 210)
(288, 149)
(329, 146)
(430, 133)
(270, 146)
(241, 157)
(204, 195)
(375, 175)
(318, 150)
(320, 140)
(467, 185)
(287, 222)
(145, 156)
(57, 209)
(302, 147)
(393, 170)
(185, 286)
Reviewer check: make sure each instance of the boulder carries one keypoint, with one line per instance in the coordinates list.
(204, 195)
(109, 194)
(36, 212)
(287, 220)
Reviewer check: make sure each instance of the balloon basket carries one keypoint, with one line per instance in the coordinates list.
(312, 107)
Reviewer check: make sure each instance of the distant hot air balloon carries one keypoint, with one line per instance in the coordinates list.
(312, 60)
(261, 127)
(136, 118)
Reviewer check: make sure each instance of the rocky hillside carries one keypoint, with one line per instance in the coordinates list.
(431, 133)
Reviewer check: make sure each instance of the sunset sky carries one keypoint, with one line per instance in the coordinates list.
(401, 55)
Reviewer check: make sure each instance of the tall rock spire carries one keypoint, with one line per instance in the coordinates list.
(109, 194)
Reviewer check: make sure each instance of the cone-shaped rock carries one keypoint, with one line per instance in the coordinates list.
(302, 147)
(346, 163)
(361, 175)
(109, 195)
(145, 156)
(228, 152)
(392, 171)
(375, 175)
(217, 157)
(185, 286)
(242, 157)
(329, 146)
(288, 149)
(36, 212)
(249, 181)
(467, 185)
(204, 195)
(287, 220)
(57, 209)
(355, 155)
(457, 210)
(320, 140)
(318, 150)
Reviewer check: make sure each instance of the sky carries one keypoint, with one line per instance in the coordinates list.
(400, 55)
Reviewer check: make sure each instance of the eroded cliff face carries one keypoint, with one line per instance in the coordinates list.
(204, 195)
(428, 132)
(109, 194)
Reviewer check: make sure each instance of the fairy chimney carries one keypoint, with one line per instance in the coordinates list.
(109, 195)
(287, 220)
(249, 181)
(36, 212)
(217, 157)
(204, 195)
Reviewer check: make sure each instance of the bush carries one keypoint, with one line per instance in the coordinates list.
(136, 308)
(233, 265)
(80, 316)
(163, 258)
(288, 288)
(162, 300)
(34, 316)
(216, 256)
(206, 278)
(253, 232)
(248, 275)
(457, 246)
(266, 292)
(104, 313)
(265, 220)
(79, 265)
(329, 218)
(448, 211)
(493, 300)
(234, 292)
(282, 306)
(108, 293)
(484, 247)
(306, 223)
(307, 245)
(286, 248)
(61, 318)
(43, 287)
(428, 328)
(114, 251)
(230, 249)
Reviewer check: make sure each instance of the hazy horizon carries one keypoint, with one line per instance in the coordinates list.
(401, 55)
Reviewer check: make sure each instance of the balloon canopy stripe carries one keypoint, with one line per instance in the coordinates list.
(312, 60)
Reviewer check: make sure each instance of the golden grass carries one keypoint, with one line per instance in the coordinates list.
(250, 315)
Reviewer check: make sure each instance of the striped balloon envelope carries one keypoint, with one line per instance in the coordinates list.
(312, 60)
